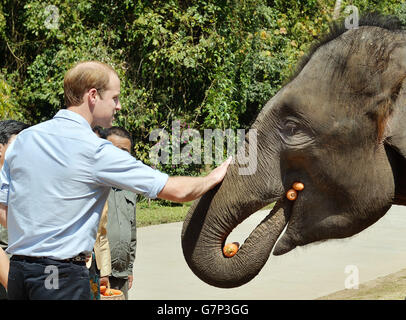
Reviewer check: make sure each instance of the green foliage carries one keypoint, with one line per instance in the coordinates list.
(400, 11)
(208, 63)
(152, 213)
(386, 7)
(8, 109)
(2, 22)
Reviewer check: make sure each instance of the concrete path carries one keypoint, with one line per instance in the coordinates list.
(161, 272)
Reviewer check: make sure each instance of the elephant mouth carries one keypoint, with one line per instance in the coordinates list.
(285, 242)
(275, 225)
(282, 229)
(295, 233)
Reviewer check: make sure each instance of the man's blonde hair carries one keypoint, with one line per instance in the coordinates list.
(83, 77)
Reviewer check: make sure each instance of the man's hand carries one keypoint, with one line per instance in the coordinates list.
(218, 174)
(184, 189)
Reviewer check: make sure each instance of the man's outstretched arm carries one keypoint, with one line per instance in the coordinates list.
(184, 189)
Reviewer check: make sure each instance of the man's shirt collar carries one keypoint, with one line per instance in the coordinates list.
(70, 115)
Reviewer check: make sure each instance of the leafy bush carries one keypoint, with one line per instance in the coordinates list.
(8, 109)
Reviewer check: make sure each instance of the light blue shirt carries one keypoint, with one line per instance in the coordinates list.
(55, 180)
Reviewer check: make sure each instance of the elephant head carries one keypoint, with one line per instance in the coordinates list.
(337, 127)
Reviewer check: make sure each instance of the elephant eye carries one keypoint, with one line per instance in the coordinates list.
(290, 128)
(295, 133)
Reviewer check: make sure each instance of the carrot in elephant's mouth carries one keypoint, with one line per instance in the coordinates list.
(298, 186)
(292, 193)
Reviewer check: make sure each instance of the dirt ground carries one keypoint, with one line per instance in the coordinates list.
(390, 287)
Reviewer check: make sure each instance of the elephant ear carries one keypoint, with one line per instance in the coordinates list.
(395, 123)
(397, 129)
(394, 89)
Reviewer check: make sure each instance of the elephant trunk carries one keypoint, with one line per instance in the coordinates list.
(211, 219)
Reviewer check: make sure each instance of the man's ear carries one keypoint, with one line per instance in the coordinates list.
(92, 96)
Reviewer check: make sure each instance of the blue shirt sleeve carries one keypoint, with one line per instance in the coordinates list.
(4, 183)
(117, 168)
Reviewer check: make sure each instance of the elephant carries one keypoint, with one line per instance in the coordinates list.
(337, 126)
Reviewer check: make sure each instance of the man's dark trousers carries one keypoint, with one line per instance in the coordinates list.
(47, 279)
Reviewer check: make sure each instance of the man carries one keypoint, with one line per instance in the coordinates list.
(121, 225)
(56, 179)
(8, 132)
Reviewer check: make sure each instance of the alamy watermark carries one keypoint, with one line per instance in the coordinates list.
(185, 147)
(52, 281)
(352, 280)
(52, 17)
(351, 20)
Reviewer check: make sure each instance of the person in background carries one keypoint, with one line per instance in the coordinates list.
(99, 264)
(121, 226)
(100, 132)
(8, 132)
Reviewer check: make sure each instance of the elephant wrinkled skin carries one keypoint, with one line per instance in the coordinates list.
(337, 127)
